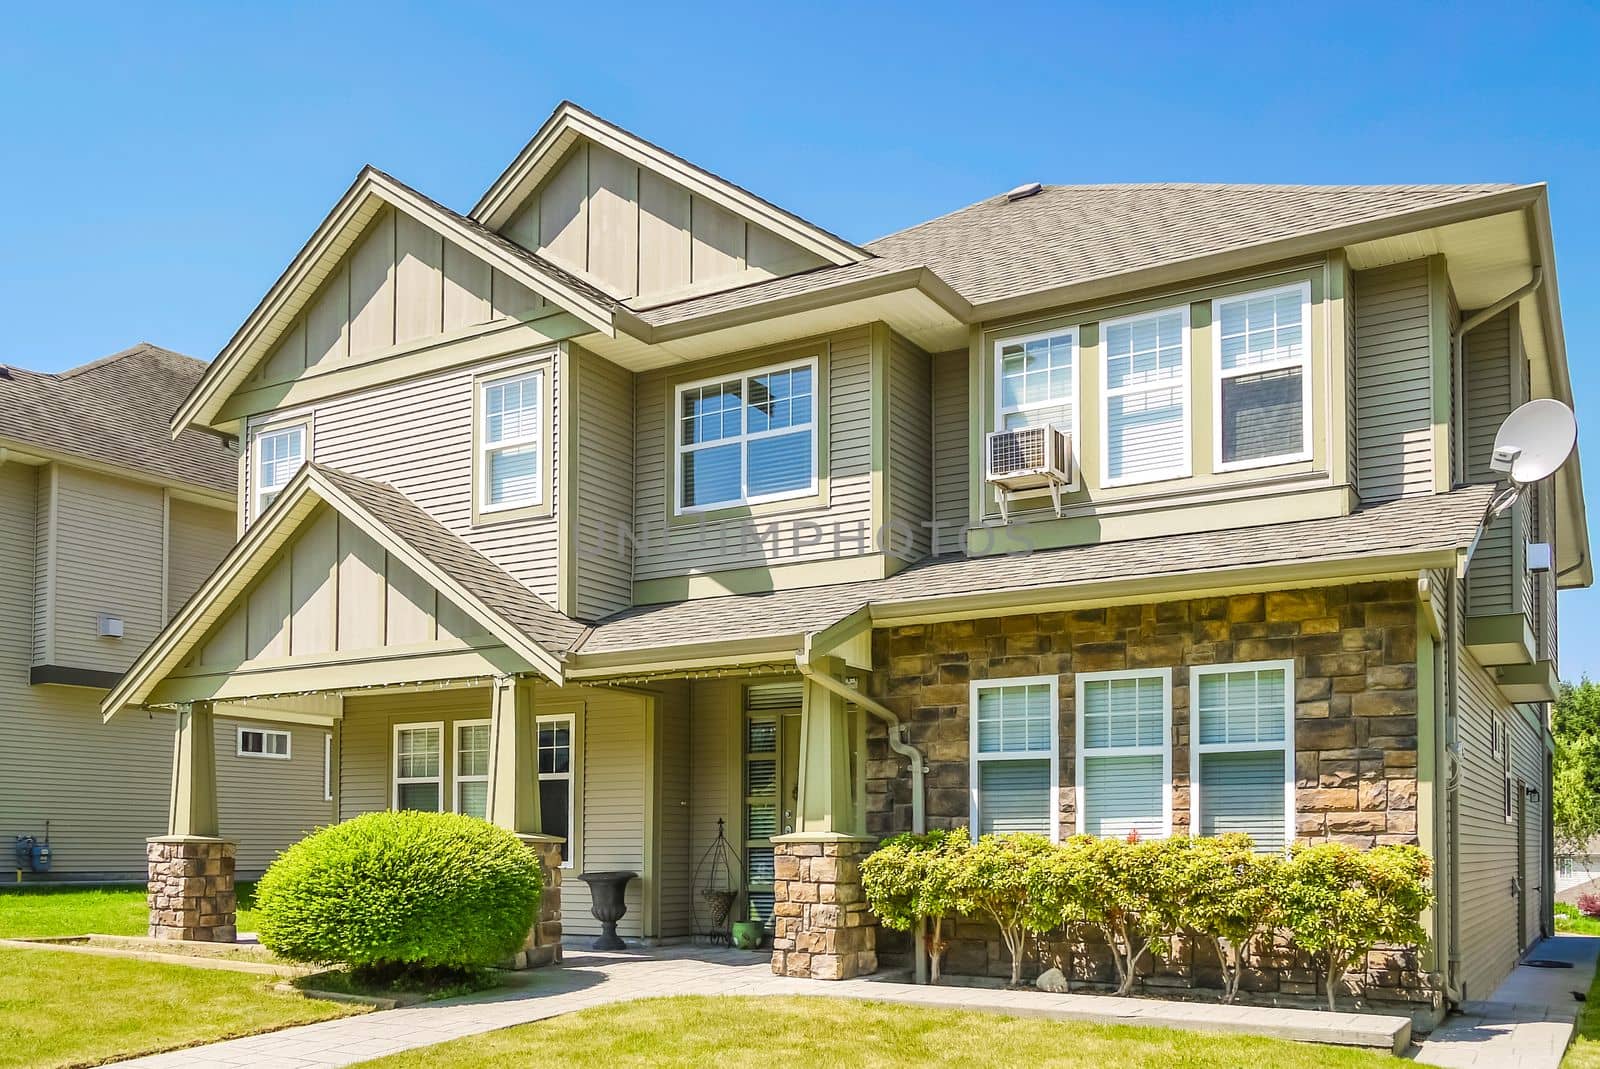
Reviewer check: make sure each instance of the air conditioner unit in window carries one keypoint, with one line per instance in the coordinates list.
(1030, 458)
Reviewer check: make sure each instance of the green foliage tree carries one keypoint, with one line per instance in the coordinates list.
(1575, 794)
(1340, 902)
(995, 878)
(394, 893)
(908, 880)
(1229, 894)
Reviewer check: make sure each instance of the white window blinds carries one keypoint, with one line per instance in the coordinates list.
(511, 437)
(1243, 752)
(1013, 773)
(1145, 414)
(1263, 355)
(1124, 753)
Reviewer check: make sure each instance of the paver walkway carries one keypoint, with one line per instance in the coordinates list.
(1528, 1021)
(595, 979)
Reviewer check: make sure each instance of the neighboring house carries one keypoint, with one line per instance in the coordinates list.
(107, 525)
(629, 503)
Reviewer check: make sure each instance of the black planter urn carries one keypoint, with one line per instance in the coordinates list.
(607, 904)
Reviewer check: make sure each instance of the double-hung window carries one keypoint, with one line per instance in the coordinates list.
(1144, 406)
(748, 438)
(472, 768)
(279, 453)
(1038, 381)
(555, 780)
(1124, 773)
(419, 767)
(1013, 766)
(1262, 348)
(1242, 751)
(262, 742)
(510, 441)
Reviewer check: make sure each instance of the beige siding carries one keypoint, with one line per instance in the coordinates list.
(675, 794)
(636, 233)
(108, 559)
(677, 548)
(715, 725)
(910, 446)
(199, 536)
(266, 804)
(417, 436)
(952, 462)
(1493, 389)
(41, 538)
(1394, 415)
(604, 474)
(1352, 296)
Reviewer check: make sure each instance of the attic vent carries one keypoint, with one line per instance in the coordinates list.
(1027, 189)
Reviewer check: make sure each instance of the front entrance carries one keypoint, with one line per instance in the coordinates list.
(772, 783)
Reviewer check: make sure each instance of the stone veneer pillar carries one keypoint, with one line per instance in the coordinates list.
(543, 946)
(822, 928)
(191, 892)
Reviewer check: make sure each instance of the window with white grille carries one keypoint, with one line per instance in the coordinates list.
(1242, 751)
(510, 441)
(1144, 402)
(747, 438)
(419, 767)
(472, 768)
(1124, 773)
(1037, 381)
(277, 454)
(1262, 352)
(1013, 772)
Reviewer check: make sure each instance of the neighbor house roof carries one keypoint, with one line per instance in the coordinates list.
(1391, 535)
(116, 411)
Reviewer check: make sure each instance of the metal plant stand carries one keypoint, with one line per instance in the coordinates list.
(717, 882)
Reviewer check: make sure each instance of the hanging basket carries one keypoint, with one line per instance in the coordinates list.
(719, 904)
(718, 879)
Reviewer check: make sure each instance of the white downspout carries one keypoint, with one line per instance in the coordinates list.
(896, 732)
(1459, 363)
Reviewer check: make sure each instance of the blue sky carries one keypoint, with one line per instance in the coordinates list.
(160, 164)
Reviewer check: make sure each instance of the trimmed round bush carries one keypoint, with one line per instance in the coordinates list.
(387, 893)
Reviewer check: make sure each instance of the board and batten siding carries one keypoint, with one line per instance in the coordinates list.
(688, 546)
(400, 284)
(636, 233)
(417, 436)
(1394, 383)
(910, 448)
(603, 470)
(952, 459)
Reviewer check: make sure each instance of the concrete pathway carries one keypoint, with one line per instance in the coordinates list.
(1528, 1021)
(588, 979)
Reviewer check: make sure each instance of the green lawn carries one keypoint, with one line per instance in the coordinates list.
(37, 911)
(1568, 919)
(1585, 1050)
(698, 1031)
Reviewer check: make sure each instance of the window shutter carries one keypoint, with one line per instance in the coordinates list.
(1123, 794)
(1243, 792)
(1016, 797)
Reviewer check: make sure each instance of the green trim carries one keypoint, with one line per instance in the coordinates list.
(650, 886)
(1536, 682)
(764, 578)
(1501, 639)
(1429, 740)
(565, 484)
(545, 364)
(878, 379)
(1439, 343)
(1336, 278)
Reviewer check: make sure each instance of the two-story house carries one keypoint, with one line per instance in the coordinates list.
(107, 525)
(627, 504)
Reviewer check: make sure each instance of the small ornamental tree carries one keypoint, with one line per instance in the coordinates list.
(995, 878)
(908, 879)
(1340, 902)
(1128, 889)
(1229, 895)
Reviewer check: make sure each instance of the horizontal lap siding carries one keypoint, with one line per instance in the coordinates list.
(952, 463)
(200, 536)
(604, 457)
(417, 437)
(108, 557)
(265, 804)
(910, 446)
(1490, 397)
(732, 543)
(1394, 400)
(676, 784)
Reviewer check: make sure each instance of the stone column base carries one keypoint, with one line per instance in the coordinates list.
(543, 946)
(191, 889)
(822, 928)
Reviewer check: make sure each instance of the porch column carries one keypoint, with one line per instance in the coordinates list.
(821, 925)
(191, 893)
(514, 805)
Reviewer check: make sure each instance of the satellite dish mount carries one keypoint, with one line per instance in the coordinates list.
(1531, 446)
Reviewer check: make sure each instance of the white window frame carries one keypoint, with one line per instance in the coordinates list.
(1303, 289)
(571, 722)
(1197, 748)
(486, 449)
(265, 733)
(258, 489)
(456, 777)
(742, 439)
(974, 758)
(1107, 392)
(1165, 749)
(1002, 410)
(327, 767)
(397, 781)
(1508, 800)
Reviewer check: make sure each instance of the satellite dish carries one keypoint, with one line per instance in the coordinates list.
(1534, 441)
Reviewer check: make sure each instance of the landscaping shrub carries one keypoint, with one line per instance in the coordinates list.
(1340, 902)
(391, 894)
(907, 880)
(995, 878)
(1229, 894)
(1589, 905)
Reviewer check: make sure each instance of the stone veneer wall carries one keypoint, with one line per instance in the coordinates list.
(191, 893)
(1354, 649)
(822, 927)
(543, 946)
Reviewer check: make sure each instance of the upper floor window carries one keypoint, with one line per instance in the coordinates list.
(511, 441)
(1038, 377)
(1124, 753)
(1263, 366)
(1013, 774)
(279, 453)
(1144, 406)
(1242, 757)
(747, 438)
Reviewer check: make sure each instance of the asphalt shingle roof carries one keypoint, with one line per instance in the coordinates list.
(1425, 522)
(118, 410)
